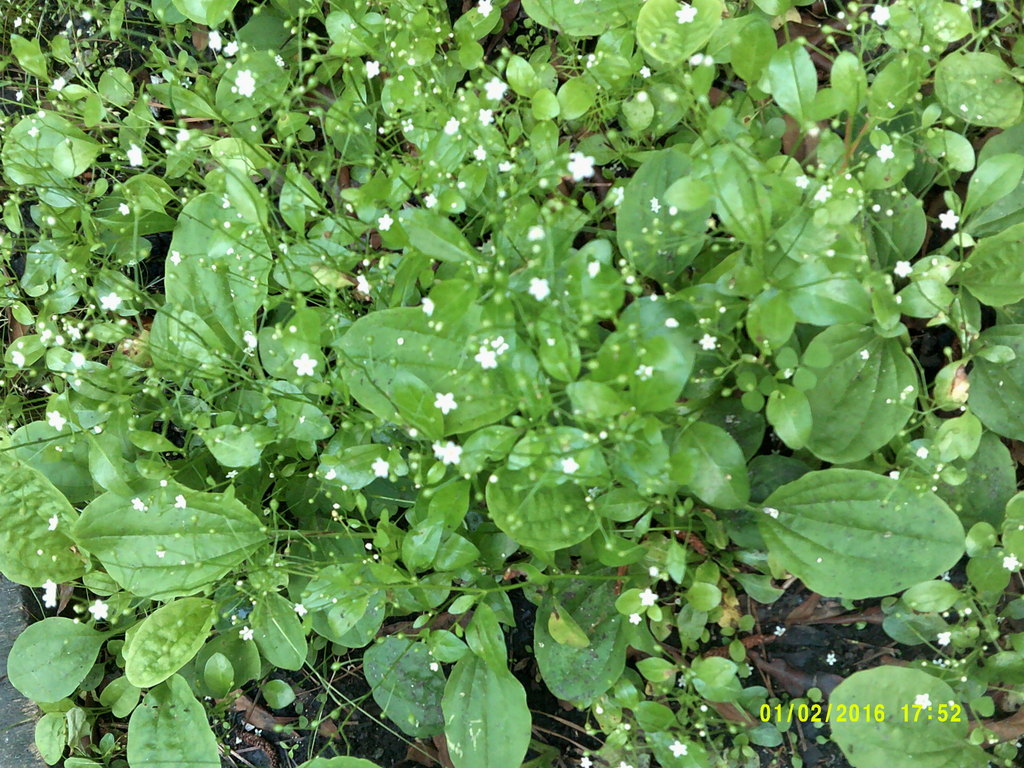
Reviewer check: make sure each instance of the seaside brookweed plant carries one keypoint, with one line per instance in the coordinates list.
(319, 315)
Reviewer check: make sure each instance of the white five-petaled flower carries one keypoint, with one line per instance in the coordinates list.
(449, 453)
(880, 15)
(539, 288)
(648, 597)
(495, 89)
(480, 153)
(214, 40)
(634, 618)
(111, 301)
(300, 609)
(135, 155)
(99, 610)
(161, 553)
(180, 502)
(484, 7)
(380, 467)
(362, 284)
(801, 182)
(585, 762)
(428, 307)
(123, 209)
(902, 269)
(231, 48)
(384, 222)
(943, 638)
(487, 357)
(138, 504)
(771, 512)
(59, 84)
(922, 452)
(569, 465)
(686, 14)
(1011, 563)
(246, 633)
(55, 420)
(372, 69)
(486, 116)
(885, 153)
(823, 194)
(922, 700)
(452, 126)
(644, 372)
(678, 749)
(830, 659)
(53, 522)
(245, 83)
(580, 166)
(948, 220)
(708, 342)
(430, 200)
(864, 354)
(535, 233)
(50, 593)
(304, 365)
(445, 402)
(655, 205)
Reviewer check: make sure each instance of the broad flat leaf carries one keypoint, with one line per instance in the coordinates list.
(789, 413)
(581, 673)
(580, 19)
(539, 515)
(201, 540)
(863, 395)
(51, 657)
(166, 640)
(338, 762)
(486, 718)
(926, 743)
(170, 727)
(854, 534)
(995, 178)
(437, 237)
(31, 553)
(710, 463)
(669, 38)
(990, 484)
(997, 389)
(403, 684)
(994, 272)
(979, 89)
(278, 632)
(792, 80)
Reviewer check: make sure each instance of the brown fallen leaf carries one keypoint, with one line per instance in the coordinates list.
(795, 681)
(260, 718)
(1007, 729)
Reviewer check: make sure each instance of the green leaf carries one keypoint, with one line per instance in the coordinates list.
(167, 640)
(235, 446)
(577, 20)
(51, 657)
(121, 696)
(849, 80)
(29, 56)
(540, 516)
(278, 693)
(338, 762)
(576, 96)
(437, 237)
(897, 739)
(997, 389)
(855, 534)
(219, 675)
(171, 727)
(668, 40)
(896, 85)
(789, 413)
(994, 272)
(486, 639)
(995, 177)
(979, 89)
(486, 718)
(408, 691)
(864, 393)
(212, 13)
(51, 736)
(200, 541)
(708, 460)
(792, 80)
(31, 553)
(278, 632)
(564, 629)
(931, 596)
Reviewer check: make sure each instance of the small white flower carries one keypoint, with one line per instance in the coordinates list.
(55, 420)
(372, 69)
(362, 284)
(123, 209)
(138, 504)
(53, 522)
(648, 597)
(780, 630)
(1011, 563)
(801, 182)
(922, 452)
(452, 126)
(823, 194)
(655, 205)
(708, 342)
(864, 354)
(304, 365)
(33, 131)
(449, 453)
(445, 403)
(231, 48)
(678, 749)
(214, 41)
(99, 610)
(686, 14)
(569, 465)
(539, 288)
(380, 467)
(948, 220)
(434, 666)
(250, 340)
(428, 307)
(180, 502)
(429, 200)
(645, 72)
(831, 658)
(644, 372)
(161, 553)
(484, 7)
(585, 762)
(486, 357)
(486, 116)
(300, 609)
(245, 83)
(135, 156)
(880, 15)
(902, 269)
(580, 166)
(922, 700)
(59, 83)
(246, 633)
(535, 233)
(505, 166)
(49, 594)
(634, 618)
(885, 153)
(495, 89)
(671, 322)
(111, 301)
(593, 268)
(943, 638)
(17, 358)
(771, 512)
(480, 153)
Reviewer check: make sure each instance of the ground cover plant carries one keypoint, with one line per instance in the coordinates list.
(527, 383)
